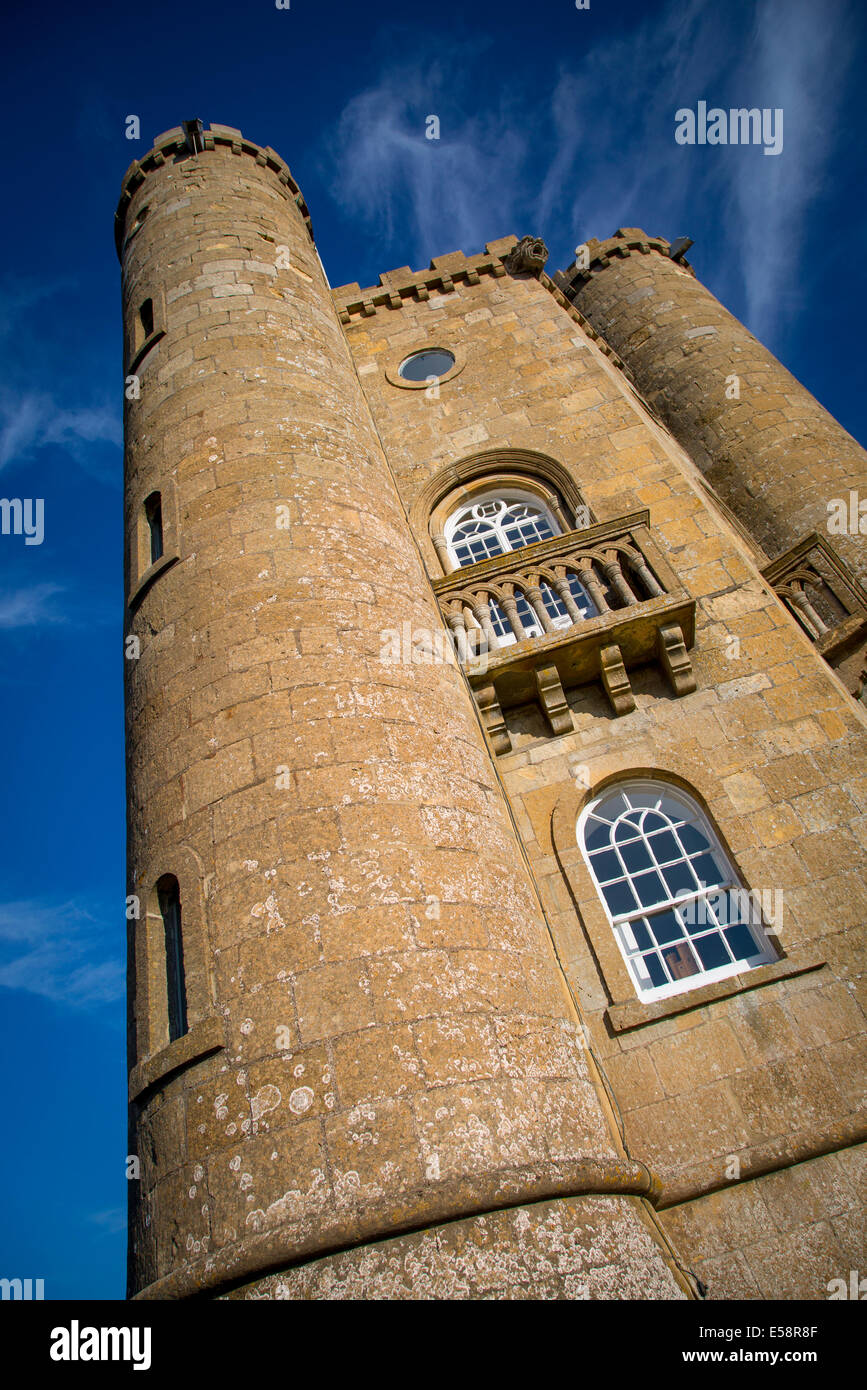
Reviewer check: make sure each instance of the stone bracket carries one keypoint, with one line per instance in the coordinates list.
(615, 680)
(675, 660)
(553, 700)
(492, 718)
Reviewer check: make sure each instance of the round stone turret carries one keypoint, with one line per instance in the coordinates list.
(770, 450)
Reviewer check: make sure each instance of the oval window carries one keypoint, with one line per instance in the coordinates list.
(419, 366)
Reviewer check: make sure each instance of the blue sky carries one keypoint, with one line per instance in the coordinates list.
(553, 121)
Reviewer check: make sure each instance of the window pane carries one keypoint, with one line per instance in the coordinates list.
(665, 926)
(583, 601)
(636, 856)
(650, 889)
(679, 878)
(176, 994)
(680, 961)
(620, 898)
(554, 605)
(655, 970)
(499, 621)
(707, 870)
(606, 866)
(741, 943)
(711, 951)
(597, 837)
(421, 365)
(692, 839)
(664, 847)
(740, 907)
(697, 916)
(636, 936)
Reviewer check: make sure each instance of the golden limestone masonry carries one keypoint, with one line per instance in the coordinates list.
(497, 766)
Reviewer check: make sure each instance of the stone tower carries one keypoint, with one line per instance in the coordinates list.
(385, 1036)
(764, 443)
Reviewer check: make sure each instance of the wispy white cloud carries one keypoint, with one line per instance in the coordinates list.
(614, 160)
(20, 296)
(32, 420)
(111, 1221)
(29, 607)
(598, 150)
(462, 186)
(60, 952)
(798, 62)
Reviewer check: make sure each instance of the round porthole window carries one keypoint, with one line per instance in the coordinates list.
(431, 362)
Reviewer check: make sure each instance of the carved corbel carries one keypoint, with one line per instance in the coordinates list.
(492, 718)
(675, 660)
(553, 700)
(615, 680)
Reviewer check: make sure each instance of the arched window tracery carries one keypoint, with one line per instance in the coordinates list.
(678, 911)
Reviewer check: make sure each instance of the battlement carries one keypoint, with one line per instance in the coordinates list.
(176, 143)
(399, 287)
(626, 241)
(441, 275)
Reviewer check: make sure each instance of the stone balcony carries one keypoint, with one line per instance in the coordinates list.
(828, 602)
(588, 605)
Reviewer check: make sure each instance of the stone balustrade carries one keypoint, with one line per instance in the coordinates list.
(828, 602)
(581, 606)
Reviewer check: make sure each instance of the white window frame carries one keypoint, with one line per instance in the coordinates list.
(623, 923)
(508, 496)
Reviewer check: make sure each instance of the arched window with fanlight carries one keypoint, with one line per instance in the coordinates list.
(495, 523)
(498, 522)
(678, 911)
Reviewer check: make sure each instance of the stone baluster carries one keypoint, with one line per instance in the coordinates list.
(614, 574)
(587, 574)
(638, 565)
(482, 614)
(815, 626)
(457, 623)
(442, 551)
(510, 608)
(534, 597)
(564, 593)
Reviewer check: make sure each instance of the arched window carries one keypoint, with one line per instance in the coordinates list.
(495, 523)
(680, 916)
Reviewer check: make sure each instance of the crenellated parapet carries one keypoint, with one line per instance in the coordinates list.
(178, 142)
(446, 274)
(597, 255)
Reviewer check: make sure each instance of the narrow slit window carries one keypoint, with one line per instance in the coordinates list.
(176, 991)
(153, 509)
(146, 319)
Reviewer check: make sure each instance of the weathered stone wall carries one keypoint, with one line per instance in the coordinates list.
(380, 1037)
(773, 453)
(771, 1068)
(796, 1229)
(580, 1247)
